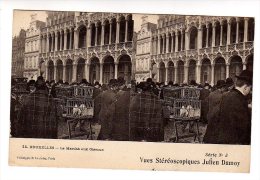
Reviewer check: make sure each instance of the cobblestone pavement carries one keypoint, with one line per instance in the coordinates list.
(169, 132)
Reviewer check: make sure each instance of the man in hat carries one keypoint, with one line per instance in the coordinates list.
(204, 94)
(105, 99)
(38, 115)
(214, 99)
(233, 123)
(145, 118)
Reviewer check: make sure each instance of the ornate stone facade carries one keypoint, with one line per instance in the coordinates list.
(201, 48)
(94, 46)
(18, 47)
(32, 45)
(143, 50)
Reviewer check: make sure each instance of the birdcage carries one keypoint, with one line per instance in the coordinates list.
(83, 91)
(186, 109)
(64, 92)
(170, 93)
(79, 107)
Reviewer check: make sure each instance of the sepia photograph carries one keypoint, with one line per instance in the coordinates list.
(128, 88)
(132, 77)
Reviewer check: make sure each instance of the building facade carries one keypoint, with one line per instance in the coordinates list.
(18, 47)
(92, 46)
(32, 45)
(143, 50)
(201, 48)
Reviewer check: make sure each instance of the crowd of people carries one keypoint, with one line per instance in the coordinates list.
(134, 111)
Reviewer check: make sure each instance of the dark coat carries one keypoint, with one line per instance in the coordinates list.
(106, 98)
(204, 94)
(214, 101)
(118, 117)
(38, 116)
(97, 103)
(233, 125)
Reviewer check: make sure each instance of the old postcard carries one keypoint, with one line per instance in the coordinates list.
(131, 91)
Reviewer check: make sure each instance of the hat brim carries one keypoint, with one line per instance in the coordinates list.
(249, 80)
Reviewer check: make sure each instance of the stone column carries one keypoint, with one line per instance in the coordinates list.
(159, 45)
(198, 73)
(237, 30)
(244, 65)
(116, 70)
(199, 39)
(87, 39)
(163, 49)
(64, 73)
(62, 40)
(221, 34)
(117, 31)
(126, 30)
(55, 72)
(187, 41)
(181, 40)
(227, 70)
(158, 73)
(110, 33)
(167, 43)
(46, 72)
(76, 39)
(176, 41)
(47, 43)
(96, 36)
(166, 74)
(175, 74)
(101, 73)
(212, 74)
(102, 34)
(172, 39)
(228, 33)
(245, 29)
(186, 73)
(74, 72)
(214, 35)
(52, 42)
(89, 36)
(65, 40)
(87, 65)
(207, 38)
(71, 34)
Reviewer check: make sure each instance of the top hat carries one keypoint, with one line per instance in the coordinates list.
(246, 76)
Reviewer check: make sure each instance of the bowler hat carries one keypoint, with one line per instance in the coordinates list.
(220, 84)
(246, 75)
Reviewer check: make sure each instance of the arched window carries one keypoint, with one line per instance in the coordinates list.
(204, 36)
(233, 30)
(241, 30)
(82, 37)
(193, 38)
(251, 29)
(217, 33)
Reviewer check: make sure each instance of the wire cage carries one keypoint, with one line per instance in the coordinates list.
(186, 109)
(20, 88)
(83, 91)
(170, 93)
(79, 108)
(64, 92)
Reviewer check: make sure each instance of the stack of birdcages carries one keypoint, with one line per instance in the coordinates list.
(81, 103)
(183, 102)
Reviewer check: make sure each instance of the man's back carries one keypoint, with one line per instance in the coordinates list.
(38, 116)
